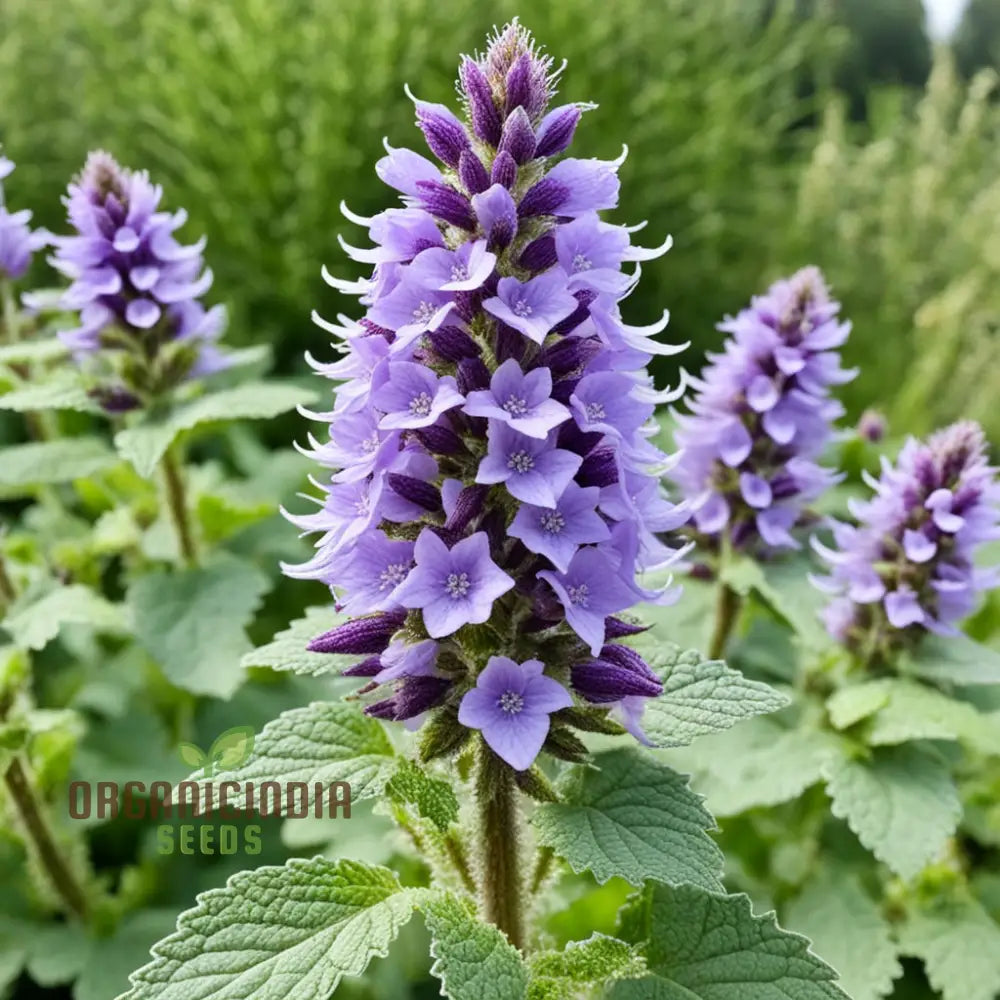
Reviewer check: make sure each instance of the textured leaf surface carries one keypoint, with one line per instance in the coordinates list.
(277, 933)
(59, 461)
(473, 960)
(192, 622)
(62, 391)
(598, 961)
(903, 710)
(36, 624)
(632, 816)
(433, 798)
(955, 660)
(848, 930)
(960, 946)
(759, 763)
(287, 650)
(145, 444)
(700, 697)
(322, 742)
(902, 804)
(709, 947)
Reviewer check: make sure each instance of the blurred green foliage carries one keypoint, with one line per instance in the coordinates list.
(259, 117)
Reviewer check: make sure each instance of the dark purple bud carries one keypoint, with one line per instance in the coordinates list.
(366, 668)
(447, 204)
(563, 389)
(439, 440)
(504, 170)
(468, 506)
(600, 468)
(417, 491)
(374, 330)
(579, 315)
(540, 254)
(784, 486)
(518, 137)
(472, 173)
(482, 110)
(359, 636)
(872, 426)
(571, 438)
(115, 399)
(419, 694)
(544, 198)
(509, 344)
(382, 709)
(453, 343)
(519, 85)
(601, 682)
(568, 355)
(742, 532)
(471, 375)
(628, 659)
(449, 537)
(495, 526)
(444, 134)
(556, 131)
(617, 628)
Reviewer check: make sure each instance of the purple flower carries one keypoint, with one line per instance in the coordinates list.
(532, 307)
(136, 289)
(18, 241)
(453, 587)
(534, 471)
(557, 532)
(909, 563)
(492, 352)
(522, 401)
(511, 704)
(763, 415)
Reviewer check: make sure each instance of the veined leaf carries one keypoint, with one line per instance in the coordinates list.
(954, 660)
(63, 390)
(34, 625)
(288, 649)
(60, 461)
(598, 961)
(433, 798)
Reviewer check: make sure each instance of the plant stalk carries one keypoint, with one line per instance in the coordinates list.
(727, 610)
(501, 878)
(7, 591)
(177, 505)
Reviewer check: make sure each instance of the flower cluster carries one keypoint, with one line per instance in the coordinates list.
(17, 240)
(136, 288)
(763, 415)
(494, 489)
(908, 564)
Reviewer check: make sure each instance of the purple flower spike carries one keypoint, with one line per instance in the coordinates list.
(491, 477)
(18, 241)
(136, 289)
(909, 564)
(763, 415)
(511, 704)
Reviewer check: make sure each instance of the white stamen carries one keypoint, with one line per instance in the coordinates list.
(510, 702)
(458, 584)
(520, 461)
(393, 575)
(424, 312)
(581, 263)
(579, 595)
(521, 308)
(515, 406)
(420, 405)
(552, 521)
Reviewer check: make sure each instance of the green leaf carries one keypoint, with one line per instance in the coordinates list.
(629, 815)
(191, 622)
(34, 625)
(954, 660)
(434, 799)
(59, 954)
(708, 947)
(191, 755)
(222, 516)
(232, 748)
(60, 461)
(960, 947)
(287, 650)
(849, 931)
(64, 390)
(700, 697)
(473, 960)
(902, 804)
(321, 743)
(759, 763)
(145, 443)
(901, 710)
(598, 961)
(15, 944)
(278, 933)
(27, 352)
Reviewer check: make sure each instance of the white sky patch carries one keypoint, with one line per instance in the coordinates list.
(943, 16)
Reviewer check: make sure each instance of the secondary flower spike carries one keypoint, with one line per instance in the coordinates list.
(909, 562)
(763, 415)
(142, 327)
(18, 241)
(493, 491)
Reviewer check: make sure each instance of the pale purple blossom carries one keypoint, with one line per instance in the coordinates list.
(532, 307)
(18, 241)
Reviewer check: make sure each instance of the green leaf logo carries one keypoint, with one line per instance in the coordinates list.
(231, 749)
(191, 755)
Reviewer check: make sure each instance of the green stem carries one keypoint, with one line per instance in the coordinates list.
(459, 859)
(543, 865)
(7, 591)
(177, 505)
(501, 886)
(10, 324)
(727, 610)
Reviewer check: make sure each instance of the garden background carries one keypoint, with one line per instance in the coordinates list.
(764, 135)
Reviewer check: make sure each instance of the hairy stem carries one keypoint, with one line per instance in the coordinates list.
(727, 610)
(177, 504)
(7, 591)
(9, 307)
(543, 866)
(501, 881)
(459, 859)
